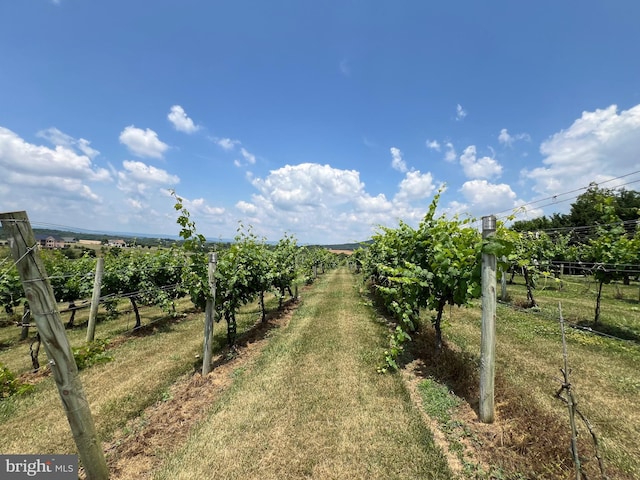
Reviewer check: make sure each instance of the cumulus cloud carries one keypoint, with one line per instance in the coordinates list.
(58, 180)
(377, 204)
(309, 184)
(226, 143)
(598, 146)
(450, 155)
(20, 157)
(143, 143)
(320, 201)
(397, 163)
(433, 145)
(142, 172)
(246, 207)
(480, 197)
(415, 186)
(460, 112)
(485, 167)
(181, 122)
(507, 139)
(138, 178)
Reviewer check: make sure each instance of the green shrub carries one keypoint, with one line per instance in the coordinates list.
(10, 385)
(91, 354)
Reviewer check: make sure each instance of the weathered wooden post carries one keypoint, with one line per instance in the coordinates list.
(503, 280)
(51, 329)
(210, 312)
(488, 332)
(295, 280)
(95, 299)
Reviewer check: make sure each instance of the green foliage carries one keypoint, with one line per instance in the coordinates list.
(11, 291)
(10, 385)
(148, 277)
(435, 265)
(92, 353)
(71, 279)
(585, 211)
(245, 270)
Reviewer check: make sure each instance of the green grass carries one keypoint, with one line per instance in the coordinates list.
(604, 371)
(139, 374)
(313, 406)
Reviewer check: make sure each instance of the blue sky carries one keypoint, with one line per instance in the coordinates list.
(320, 119)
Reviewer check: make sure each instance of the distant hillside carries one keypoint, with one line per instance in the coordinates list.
(345, 246)
(138, 240)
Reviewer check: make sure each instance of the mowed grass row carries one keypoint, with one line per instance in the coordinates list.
(313, 406)
(14, 353)
(604, 372)
(142, 369)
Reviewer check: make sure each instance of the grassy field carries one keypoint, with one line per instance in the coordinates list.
(144, 365)
(313, 406)
(533, 424)
(300, 397)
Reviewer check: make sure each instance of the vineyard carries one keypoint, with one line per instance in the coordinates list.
(406, 305)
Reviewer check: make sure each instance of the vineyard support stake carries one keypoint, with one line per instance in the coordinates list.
(44, 310)
(95, 299)
(210, 310)
(488, 332)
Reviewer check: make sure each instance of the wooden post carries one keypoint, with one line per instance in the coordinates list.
(210, 312)
(488, 333)
(295, 279)
(51, 329)
(95, 299)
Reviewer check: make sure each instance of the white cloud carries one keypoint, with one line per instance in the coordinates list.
(58, 138)
(43, 178)
(433, 145)
(309, 184)
(486, 198)
(485, 167)
(200, 205)
(226, 143)
(246, 207)
(450, 155)
(397, 163)
(21, 157)
(319, 201)
(249, 157)
(142, 172)
(181, 122)
(415, 186)
(506, 139)
(598, 146)
(460, 112)
(138, 179)
(143, 143)
(377, 204)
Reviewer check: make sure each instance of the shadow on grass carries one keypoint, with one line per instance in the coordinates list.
(525, 440)
(617, 332)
